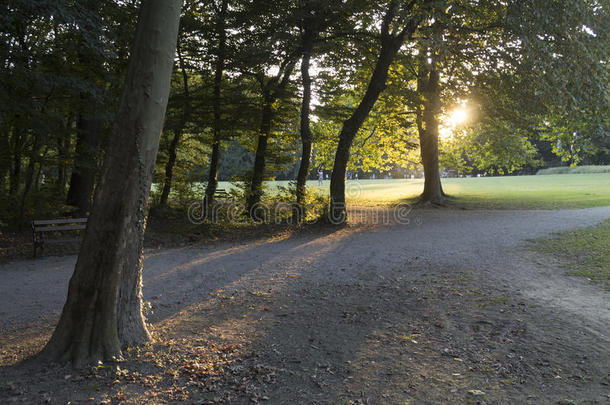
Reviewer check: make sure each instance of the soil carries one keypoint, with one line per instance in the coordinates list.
(450, 308)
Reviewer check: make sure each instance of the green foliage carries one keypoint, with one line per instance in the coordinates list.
(44, 203)
(497, 148)
(314, 201)
(534, 73)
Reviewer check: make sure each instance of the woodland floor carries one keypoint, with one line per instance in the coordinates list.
(451, 308)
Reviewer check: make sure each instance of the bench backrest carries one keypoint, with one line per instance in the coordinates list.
(52, 225)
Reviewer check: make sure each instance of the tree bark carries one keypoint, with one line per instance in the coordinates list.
(169, 166)
(220, 65)
(103, 312)
(82, 180)
(15, 171)
(271, 92)
(5, 159)
(306, 137)
(429, 106)
(29, 172)
(258, 173)
(64, 142)
(173, 147)
(390, 44)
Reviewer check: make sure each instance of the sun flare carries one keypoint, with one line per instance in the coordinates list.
(457, 117)
(452, 120)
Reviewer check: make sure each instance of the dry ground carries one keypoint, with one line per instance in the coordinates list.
(450, 308)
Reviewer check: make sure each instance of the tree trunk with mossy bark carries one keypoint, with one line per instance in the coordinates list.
(103, 311)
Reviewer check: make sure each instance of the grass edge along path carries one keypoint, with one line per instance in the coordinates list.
(585, 252)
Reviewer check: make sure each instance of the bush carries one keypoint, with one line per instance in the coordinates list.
(575, 170)
(314, 202)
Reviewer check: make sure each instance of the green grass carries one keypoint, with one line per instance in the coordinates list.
(575, 170)
(585, 250)
(511, 192)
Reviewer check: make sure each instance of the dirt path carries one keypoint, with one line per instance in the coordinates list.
(334, 312)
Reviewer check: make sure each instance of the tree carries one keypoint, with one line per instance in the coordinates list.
(315, 18)
(270, 58)
(428, 110)
(309, 33)
(103, 312)
(551, 49)
(221, 27)
(173, 146)
(90, 122)
(397, 25)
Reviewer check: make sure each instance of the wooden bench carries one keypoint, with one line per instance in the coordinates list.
(42, 227)
(222, 194)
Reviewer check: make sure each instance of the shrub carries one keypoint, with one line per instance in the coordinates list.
(575, 170)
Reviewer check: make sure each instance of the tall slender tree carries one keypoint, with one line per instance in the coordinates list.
(399, 23)
(271, 90)
(89, 124)
(221, 34)
(185, 116)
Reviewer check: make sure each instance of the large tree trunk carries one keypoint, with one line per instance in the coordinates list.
(428, 87)
(103, 309)
(82, 180)
(390, 44)
(258, 174)
(306, 137)
(220, 66)
(173, 147)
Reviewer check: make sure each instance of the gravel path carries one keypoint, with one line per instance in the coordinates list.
(487, 244)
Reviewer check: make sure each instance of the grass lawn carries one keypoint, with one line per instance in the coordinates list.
(511, 192)
(585, 251)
